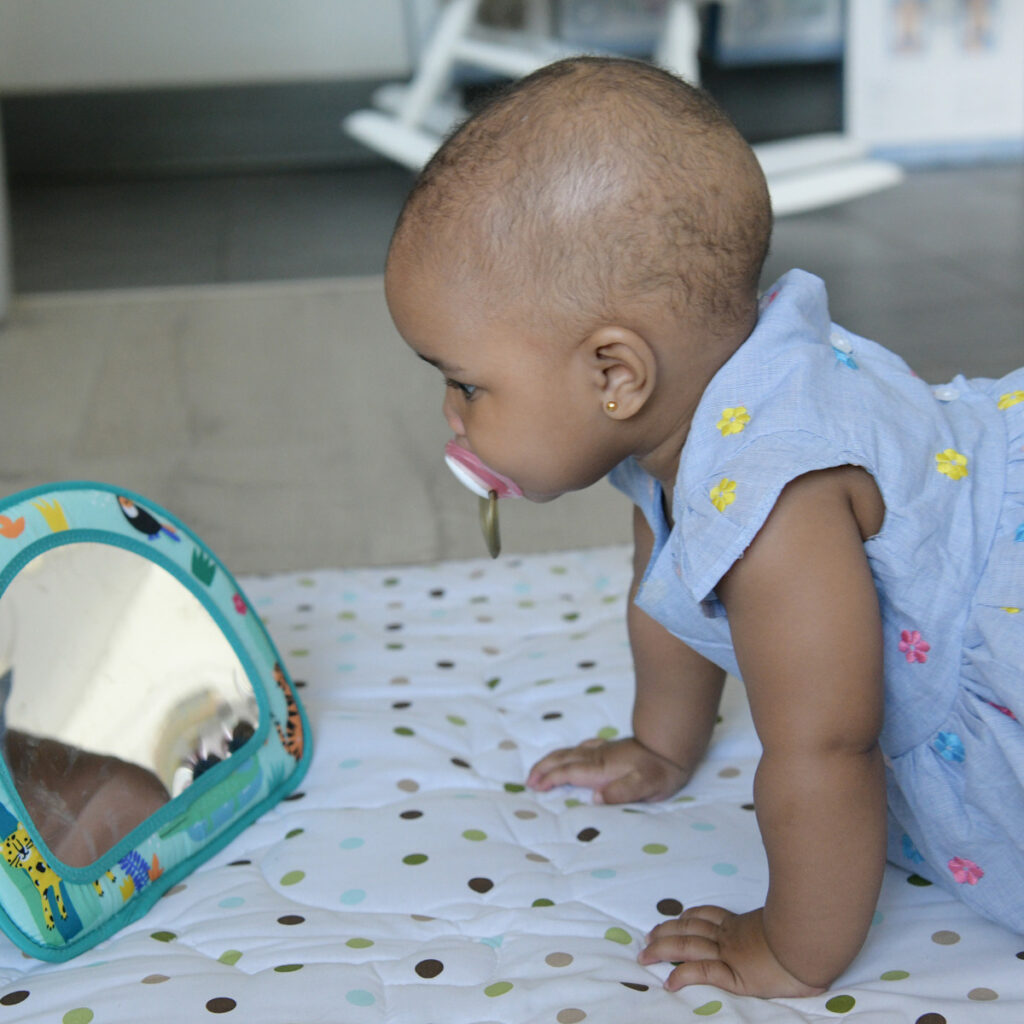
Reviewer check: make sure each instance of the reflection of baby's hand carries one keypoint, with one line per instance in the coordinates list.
(618, 771)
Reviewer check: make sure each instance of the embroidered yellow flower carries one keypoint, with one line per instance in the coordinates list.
(733, 420)
(1010, 399)
(1011, 611)
(723, 494)
(952, 464)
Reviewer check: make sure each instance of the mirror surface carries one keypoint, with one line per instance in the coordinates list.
(117, 690)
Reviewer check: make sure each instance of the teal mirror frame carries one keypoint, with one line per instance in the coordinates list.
(88, 904)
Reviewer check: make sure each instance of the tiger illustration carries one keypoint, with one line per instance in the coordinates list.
(20, 852)
(291, 737)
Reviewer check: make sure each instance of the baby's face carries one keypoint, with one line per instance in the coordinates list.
(520, 398)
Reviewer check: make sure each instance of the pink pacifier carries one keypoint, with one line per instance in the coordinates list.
(487, 484)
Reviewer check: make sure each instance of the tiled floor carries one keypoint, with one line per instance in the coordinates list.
(288, 424)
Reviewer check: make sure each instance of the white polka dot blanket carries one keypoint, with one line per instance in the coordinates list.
(412, 878)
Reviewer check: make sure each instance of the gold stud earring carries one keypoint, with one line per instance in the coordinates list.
(611, 406)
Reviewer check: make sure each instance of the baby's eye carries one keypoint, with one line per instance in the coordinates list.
(468, 390)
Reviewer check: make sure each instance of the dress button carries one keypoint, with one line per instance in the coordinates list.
(840, 343)
(946, 393)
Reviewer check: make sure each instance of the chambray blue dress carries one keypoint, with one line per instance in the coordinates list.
(802, 394)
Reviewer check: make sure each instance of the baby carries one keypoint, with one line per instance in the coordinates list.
(581, 262)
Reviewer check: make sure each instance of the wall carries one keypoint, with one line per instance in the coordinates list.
(62, 45)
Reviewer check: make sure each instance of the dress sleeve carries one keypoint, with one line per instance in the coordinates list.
(723, 502)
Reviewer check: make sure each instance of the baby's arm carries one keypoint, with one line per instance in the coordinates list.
(677, 697)
(805, 623)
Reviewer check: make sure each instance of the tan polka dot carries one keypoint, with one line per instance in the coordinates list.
(399, 680)
(728, 773)
(982, 994)
(155, 979)
(408, 785)
(508, 745)
(538, 858)
(945, 938)
(558, 959)
(570, 1016)
(526, 815)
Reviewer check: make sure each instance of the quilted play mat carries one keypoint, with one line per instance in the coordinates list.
(411, 878)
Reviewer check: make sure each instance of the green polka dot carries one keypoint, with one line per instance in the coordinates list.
(655, 848)
(293, 877)
(574, 801)
(474, 834)
(895, 975)
(841, 1004)
(288, 968)
(499, 988)
(359, 943)
(543, 901)
(609, 732)
(456, 719)
(514, 787)
(596, 688)
(708, 1008)
(415, 858)
(294, 832)
(492, 683)
(619, 935)
(80, 1016)
(918, 880)
(230, 957)
(163, 936)
(404, 730)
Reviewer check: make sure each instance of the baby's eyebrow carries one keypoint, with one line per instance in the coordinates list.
(441, 365)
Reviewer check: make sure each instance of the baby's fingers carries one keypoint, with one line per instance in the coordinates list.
(550, 771)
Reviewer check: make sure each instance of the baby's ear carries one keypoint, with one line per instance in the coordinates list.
(622, 369)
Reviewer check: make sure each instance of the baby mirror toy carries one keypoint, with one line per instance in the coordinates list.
(145, 715)
(488, 484)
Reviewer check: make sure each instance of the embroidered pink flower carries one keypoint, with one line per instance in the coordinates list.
(240, 605)
(1005, 711)
(915, 648)
(966, 872)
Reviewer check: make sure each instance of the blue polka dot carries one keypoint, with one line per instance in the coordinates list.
(231, 901)
(878, 917)
(353, 896)
(494, 941)
(724, 869)
(352, 843)
(352, 762)
(439, 613)
(703, 826)
(360, 997)
(346, 666)
(346, 638)
(604, 873)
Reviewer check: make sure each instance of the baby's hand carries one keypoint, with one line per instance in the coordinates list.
(715, 947)
(618, 771)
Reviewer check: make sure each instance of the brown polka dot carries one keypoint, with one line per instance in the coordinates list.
(459, 763)
(15, 997)
(291, 919)
(239, 863)
(747, 807)
(728, 773)
(634, 985)
(550, 716)
(945, 938)
(537, 858)
(558, 959)
(429, 968)
(393, 626)
(982, 994)
(155, 979)
(931, 1018)
(1020, 955)
(222, 1004)
(670, 907)
(180, 887)
(481, 884)
(587, 834)
(446, 664)
(408, 786)
(421, 917)
(292, 797)
(570, 1015)
(437, 592)
(401, 705)
(586, 664)
(411, 815)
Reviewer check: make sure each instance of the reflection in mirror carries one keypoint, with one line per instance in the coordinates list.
(117, 690)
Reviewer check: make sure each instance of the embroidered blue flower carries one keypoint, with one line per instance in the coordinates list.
(1019, 535)
(950, 746)
(843, 351)
(910, 851)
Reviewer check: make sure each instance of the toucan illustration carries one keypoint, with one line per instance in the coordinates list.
(144, 521)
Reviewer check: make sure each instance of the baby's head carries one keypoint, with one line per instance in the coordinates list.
(596, 202)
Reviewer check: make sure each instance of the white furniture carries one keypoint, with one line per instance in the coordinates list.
(411, 120)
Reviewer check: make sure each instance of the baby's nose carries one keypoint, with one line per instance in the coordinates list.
(452, 418)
